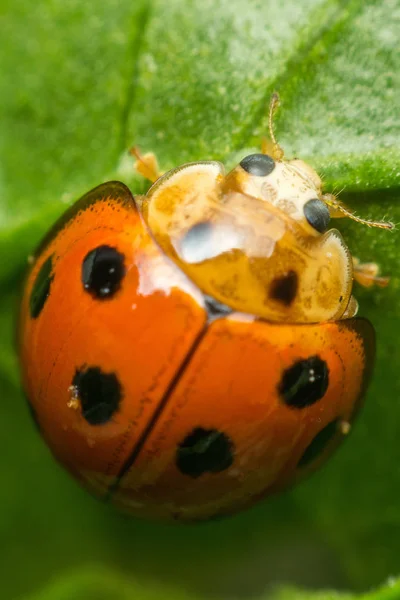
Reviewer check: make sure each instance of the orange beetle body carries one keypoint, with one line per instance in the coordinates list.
(151, 376)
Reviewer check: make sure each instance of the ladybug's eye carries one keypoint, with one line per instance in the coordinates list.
(317, 214)
(260, 165)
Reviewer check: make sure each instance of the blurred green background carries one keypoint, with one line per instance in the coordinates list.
(79, 83)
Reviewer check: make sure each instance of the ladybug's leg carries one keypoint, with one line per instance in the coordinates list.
(146, 165)
(367, 274)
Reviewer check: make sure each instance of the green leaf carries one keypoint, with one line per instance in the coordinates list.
(95, 583)
(83, 81)
(391, 591)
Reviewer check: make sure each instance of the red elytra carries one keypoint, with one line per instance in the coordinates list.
(161, 399)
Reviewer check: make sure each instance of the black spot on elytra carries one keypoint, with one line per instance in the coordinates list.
(317, 214)
(319, 443)
(99, 394)
(259, 165)
(304, 383)
(204, 451)
(41, 288)
(284, 289)
(102, 272)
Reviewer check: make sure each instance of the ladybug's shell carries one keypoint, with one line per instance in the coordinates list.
(160, 400)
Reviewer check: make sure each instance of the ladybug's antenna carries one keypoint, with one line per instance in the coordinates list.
(274, 148)
(337, 206)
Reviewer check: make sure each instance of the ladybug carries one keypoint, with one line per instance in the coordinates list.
(191, 351)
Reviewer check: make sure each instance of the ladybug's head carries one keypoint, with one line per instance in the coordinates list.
(255, 239)
(292, 186)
